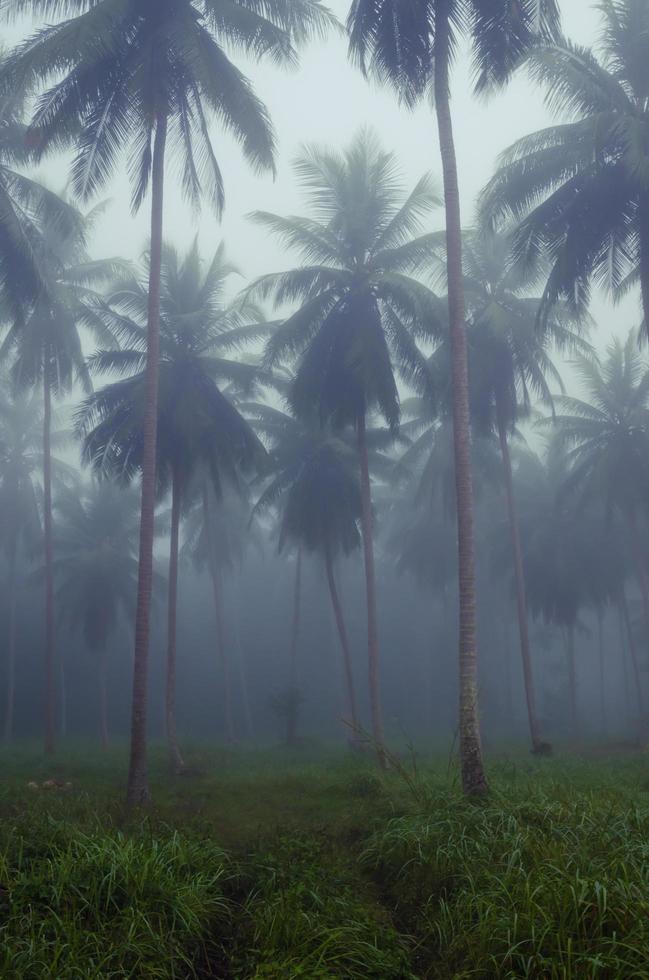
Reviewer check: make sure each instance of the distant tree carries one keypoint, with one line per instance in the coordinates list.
(95, 570)
(579, 190)
(45, 349)
(21, 467)
(198, 426)
(412, 48)
(359, 311)
(314, 483)
(145, 77)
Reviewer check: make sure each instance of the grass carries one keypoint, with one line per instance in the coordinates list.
(261, 865)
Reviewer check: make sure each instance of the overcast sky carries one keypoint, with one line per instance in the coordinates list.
(326, 101)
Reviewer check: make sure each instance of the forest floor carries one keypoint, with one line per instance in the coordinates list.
(313, 865)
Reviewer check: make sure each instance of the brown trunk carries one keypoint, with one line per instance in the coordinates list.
(572, 682)
(370, 588)
(50, 699)
(633, 650)
(103, 699)
(602, 682)
(295, 624)
(175, 757)
(138, 781)
(352, 719)
(519, 576)
(10, 693)
(473, 776)
(218, 615)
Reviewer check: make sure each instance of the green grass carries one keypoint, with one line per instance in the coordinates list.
(262, 865)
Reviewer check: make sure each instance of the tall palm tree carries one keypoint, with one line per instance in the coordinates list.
(579, 190)
(45, 349)
(359, 311)
(198, 426)
(607, 440)
(146, 75)
(20, 522)
(315, 483)
(95, 569)
(510, 361)
(411, 47)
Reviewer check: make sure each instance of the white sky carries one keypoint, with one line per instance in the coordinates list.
(326, 101)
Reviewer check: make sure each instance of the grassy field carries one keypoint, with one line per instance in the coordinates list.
(264, 865)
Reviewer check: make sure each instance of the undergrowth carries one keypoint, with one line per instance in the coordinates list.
(259, 865)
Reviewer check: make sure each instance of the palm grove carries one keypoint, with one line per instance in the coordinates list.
(391, 404)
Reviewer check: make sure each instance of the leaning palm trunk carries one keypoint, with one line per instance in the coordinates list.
(138, 783)
(352, 712)
(49, 557)
(103, 698)
(370, 588)
(175, 757)
(473, 776)
(218, 616)
(521, 599)
(10, 693)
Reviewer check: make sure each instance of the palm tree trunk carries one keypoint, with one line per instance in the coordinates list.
(63, 694)
(602, 682)
(138, 782)
(633, 650)
(344, 645)
(572, 681)
(218, 615)
(473, 775)
(521, 599)
(641, 567)
(625, 667)
(50, 698)
(370, 588)
(103, 699)
(644, 259)
(292, 715)
(243, 673)
(10, 693)
(175, 757)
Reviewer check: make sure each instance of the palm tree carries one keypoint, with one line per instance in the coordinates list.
(95, 570)
(315, 483)
(20, 522)
(359, 311)
(411, 47)
(143, 75)
(197, 424)
(579, 190)
(607, 440)
(510, 361)
(46, 350)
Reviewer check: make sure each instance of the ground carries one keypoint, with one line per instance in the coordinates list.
(314, 865)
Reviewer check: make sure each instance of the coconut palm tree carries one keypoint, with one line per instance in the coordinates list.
(95, 570)
(579, 190)
(45, 349)
(146, 76)
(315, 484)
(198, 426)
(411, 47)
(359, 310)
(607, 442)
(20, 522)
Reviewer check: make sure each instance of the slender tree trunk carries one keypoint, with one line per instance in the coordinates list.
(602, 681)
(521, 599)
(370, 588)
(50, 697)
(644, 259)
(344, 645)
(63, 694)
(138, 780)
(291, 719)
(175, 756)
(10, 693)
(641, 566)
(218, 615)
(572, 681)
(473, 775)
(243, 673)
(625, 667)
(103, 698)
(633, 650)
